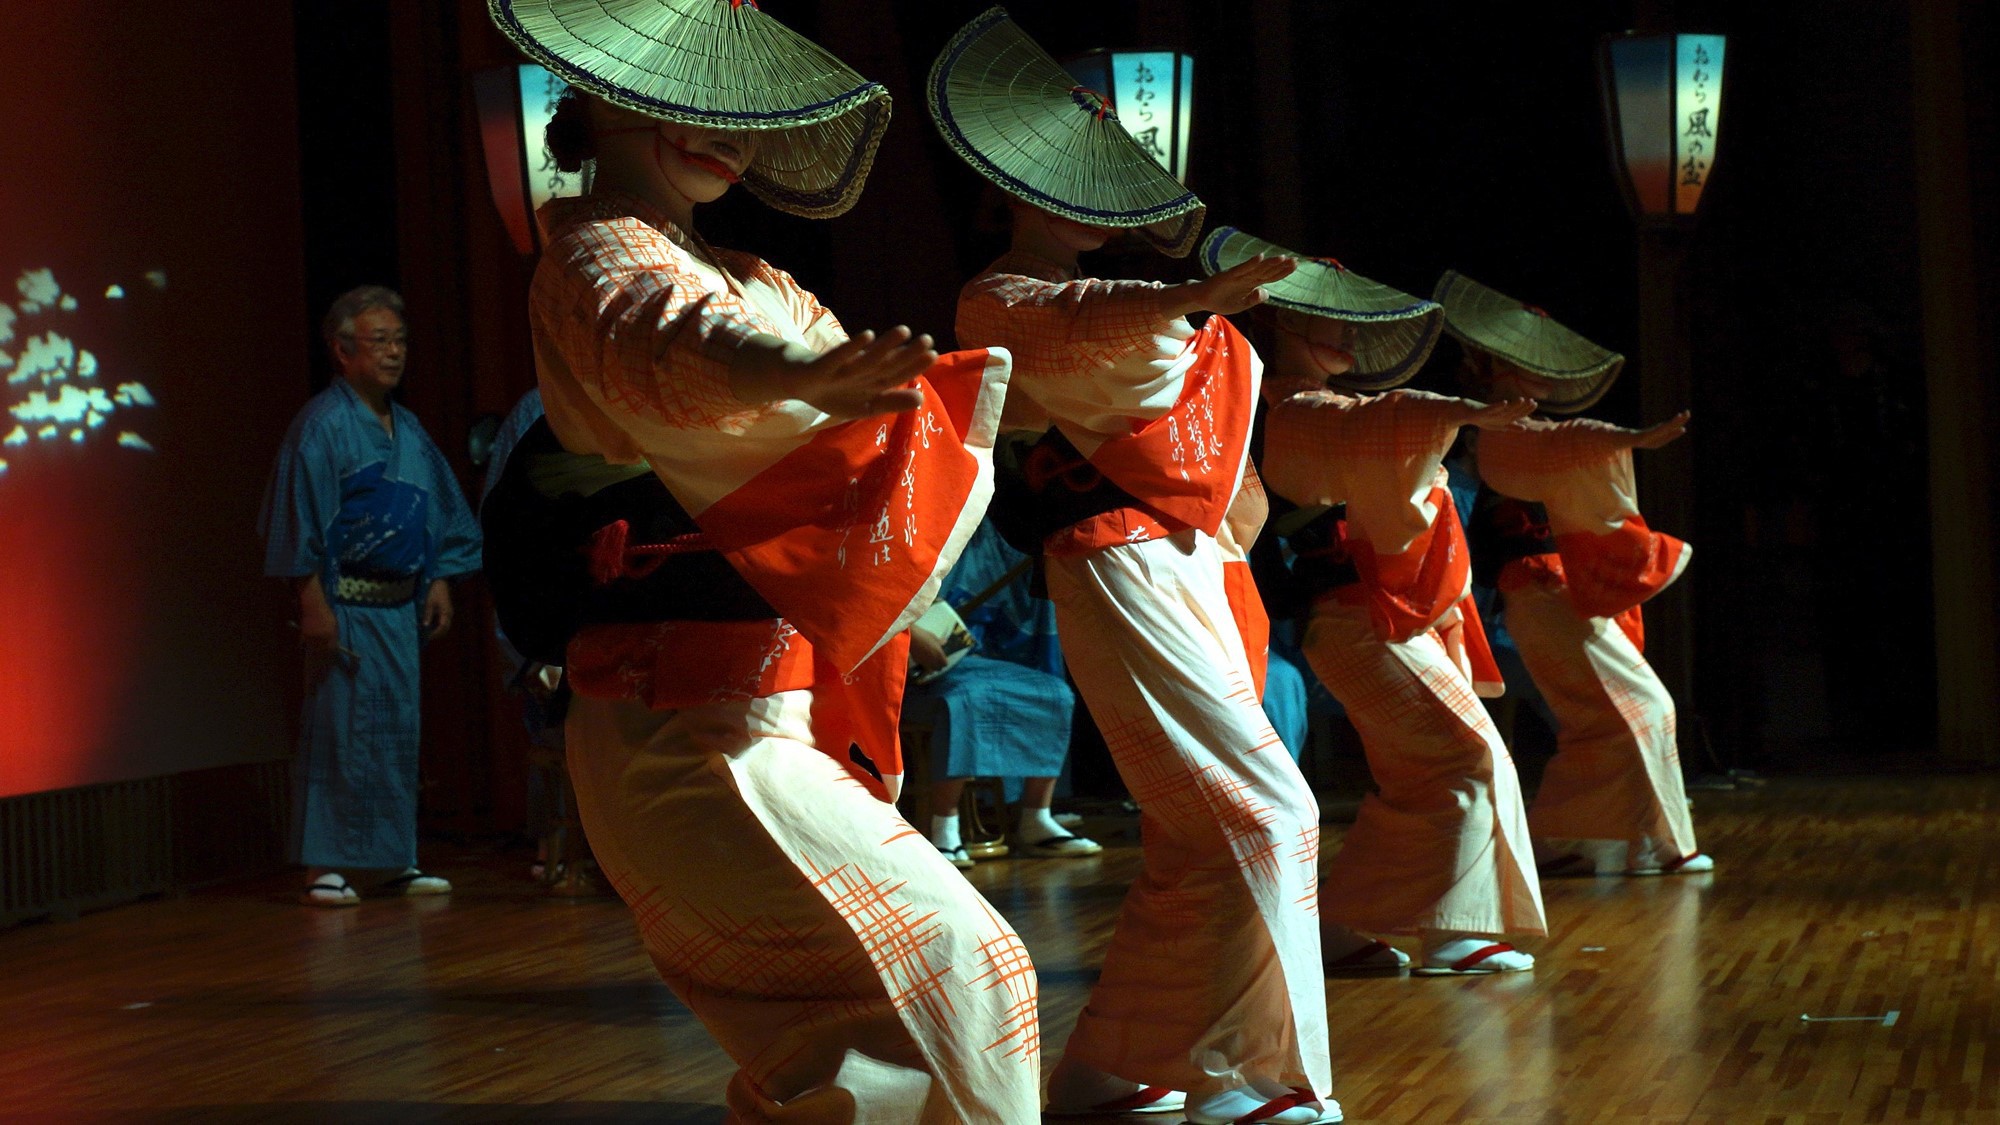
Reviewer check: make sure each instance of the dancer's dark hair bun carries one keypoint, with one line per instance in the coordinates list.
(568, 135)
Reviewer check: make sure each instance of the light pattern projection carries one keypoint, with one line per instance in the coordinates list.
(56, 392)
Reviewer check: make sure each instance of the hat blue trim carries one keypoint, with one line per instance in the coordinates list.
(1613, 359)
(571, 74)
(1211, 256)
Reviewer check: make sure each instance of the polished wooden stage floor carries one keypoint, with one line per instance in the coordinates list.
(1659, 1000)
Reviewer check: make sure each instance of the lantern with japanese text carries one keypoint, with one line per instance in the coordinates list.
(1153, 94)
(1663, 105)
(515, 105)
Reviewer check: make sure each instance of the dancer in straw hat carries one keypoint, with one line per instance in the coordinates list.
(721, 759)
(1441, 848)
(1579, 561)
(1211, 994)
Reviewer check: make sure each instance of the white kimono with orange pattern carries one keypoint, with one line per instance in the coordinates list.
(1213, 974)
(1575, 616)
(1443, 843)
(849, 970)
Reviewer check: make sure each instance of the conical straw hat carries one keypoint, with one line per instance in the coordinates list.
(1394, 331)
(1021, 121)
(1529, 338)
(719, 64)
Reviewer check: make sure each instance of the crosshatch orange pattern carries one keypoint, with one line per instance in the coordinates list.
(1149, 631)
(893, 935)
(1577, 623)
(839, 928)
(644, 331)
(1580, 470)
(1307, 856)
(1317, 436)
(1228, 826)
(1443, 842)
(1009, 969)
(1616, 774)
(1537, 447)
(1058, 327)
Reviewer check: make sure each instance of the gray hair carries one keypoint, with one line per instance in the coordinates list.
(339, 322)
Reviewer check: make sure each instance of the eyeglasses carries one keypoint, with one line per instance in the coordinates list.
(383, 342)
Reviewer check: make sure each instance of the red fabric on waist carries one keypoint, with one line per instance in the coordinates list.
(1547, 571)
(670, 665)
(1409, 591)
(1612, 572)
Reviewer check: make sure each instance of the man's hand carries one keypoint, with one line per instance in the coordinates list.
(866, 376)
(319, 629)
(437, 610)
(926, 650)
(1237, 288)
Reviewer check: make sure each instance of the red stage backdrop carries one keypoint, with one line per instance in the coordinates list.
(151, 355)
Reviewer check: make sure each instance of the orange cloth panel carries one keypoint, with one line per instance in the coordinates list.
(1247, 607)
(1612, 573)
(1188, 464)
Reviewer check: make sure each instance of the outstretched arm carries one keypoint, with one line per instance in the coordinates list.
(867, 375)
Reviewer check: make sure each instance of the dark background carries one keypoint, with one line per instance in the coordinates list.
(1403, 139)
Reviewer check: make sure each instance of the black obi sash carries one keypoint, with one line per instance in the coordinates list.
(1320, 563)
(1042, 484)
(1503, 530)
(551, 519)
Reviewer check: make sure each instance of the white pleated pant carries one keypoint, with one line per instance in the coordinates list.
(1443, 842)
(1617, 770)
(1213, 975)
(849, 970)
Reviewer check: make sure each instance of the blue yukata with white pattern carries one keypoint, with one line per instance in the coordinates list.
(1004, 710)
(346, 497)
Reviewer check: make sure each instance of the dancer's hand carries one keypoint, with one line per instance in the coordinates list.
(1237, 288)
(1497, 415)
(1664, 433)
(867, 375)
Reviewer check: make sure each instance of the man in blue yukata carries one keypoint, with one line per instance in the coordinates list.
(1003, 711)
(366, 520)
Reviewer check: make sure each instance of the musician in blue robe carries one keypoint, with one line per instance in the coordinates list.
(365, 518)
(1003, 710)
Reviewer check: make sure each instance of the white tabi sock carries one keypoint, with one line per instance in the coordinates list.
(944, 832)
(1037, 825)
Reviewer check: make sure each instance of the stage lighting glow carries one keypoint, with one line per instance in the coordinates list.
(52, 390)
(1663, 105)
(1153, 95)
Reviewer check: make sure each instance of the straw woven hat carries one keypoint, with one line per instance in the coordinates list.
(1529, 338)
(719, 64)
(1021, 121)
(1394, 331)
